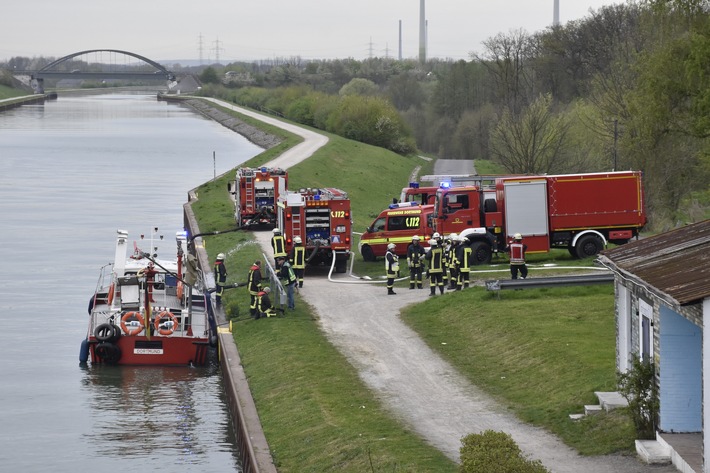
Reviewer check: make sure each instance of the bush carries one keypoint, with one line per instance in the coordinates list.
(638, 387)
(495, 452)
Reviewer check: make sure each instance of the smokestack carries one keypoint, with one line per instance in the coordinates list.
(422, 32)
(400, 40)
(556, 14)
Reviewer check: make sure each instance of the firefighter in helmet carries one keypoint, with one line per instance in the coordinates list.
(264, 308)
(278, 244)
(435, 257)
(254, 283)
(391, 267)
(463, 261)
(298, 259)
(516, 249)
(220, 277)
(415, 257)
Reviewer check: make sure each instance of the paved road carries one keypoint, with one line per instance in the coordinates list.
(421, 389)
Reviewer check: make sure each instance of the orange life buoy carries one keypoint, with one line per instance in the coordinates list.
(179, 290)
(133, 330)
(167, 331)
(111, 291)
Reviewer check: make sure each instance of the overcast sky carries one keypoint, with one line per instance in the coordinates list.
(230, 30)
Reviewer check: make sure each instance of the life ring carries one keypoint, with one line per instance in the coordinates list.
(178, 290)
(133, 330)
(167, 331)
(111, 291)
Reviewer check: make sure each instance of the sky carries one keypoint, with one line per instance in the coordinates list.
(230, 30)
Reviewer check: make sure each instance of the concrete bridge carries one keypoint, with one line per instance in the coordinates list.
(69, 68)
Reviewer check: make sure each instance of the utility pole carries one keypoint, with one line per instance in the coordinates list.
(217, 49)
(200, 48)
(616, 139)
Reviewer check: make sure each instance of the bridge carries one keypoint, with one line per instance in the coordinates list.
(68, 67)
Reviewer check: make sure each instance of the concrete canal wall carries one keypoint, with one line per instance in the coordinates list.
(251, 441)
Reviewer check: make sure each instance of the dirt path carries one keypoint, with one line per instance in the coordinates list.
(422, 390)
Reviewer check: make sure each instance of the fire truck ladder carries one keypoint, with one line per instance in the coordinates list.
(249, 194)
(296, 224)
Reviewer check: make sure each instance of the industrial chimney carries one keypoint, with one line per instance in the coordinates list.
(556, 14)
(422, 33)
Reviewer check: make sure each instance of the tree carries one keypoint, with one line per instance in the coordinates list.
(532, 141)
(209, 76)
(359, 86)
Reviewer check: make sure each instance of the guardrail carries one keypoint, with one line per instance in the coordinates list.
(575, 280)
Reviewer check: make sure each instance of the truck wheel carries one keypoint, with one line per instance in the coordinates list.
(480, 253)
(588, 245)
(367, 253)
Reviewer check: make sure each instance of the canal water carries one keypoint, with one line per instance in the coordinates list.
(72, 172)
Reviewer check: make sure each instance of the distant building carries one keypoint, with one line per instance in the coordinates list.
(238, 78)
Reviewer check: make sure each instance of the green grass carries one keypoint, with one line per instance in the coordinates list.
(10, 92)
(540, 352)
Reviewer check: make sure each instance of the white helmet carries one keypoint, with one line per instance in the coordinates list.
(453, 237)
(220, 256)
(433, 242)
(436, 235)
(517, 236)
(391, 246)
(276, 230)
(415, 238)
(297, 240)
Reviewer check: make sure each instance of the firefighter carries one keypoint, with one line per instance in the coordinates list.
(450, 262)
(463, 260)
(298, 259)
(415, 255)
(278, 244)
(516, 249)
(263, 304)
(254, 283)
(435, 257)
(289, 277)
(391, 268)
(220, 277)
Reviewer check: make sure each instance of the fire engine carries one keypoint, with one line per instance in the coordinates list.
(321, 217)
(425, 195)
(396, 224)
(580, 212)
(256, 192)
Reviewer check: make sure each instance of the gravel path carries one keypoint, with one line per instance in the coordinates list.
(421, 389)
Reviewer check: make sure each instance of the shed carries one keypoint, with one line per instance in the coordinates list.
(662, 291)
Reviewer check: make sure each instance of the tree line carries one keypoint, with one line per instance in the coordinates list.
(626, 87)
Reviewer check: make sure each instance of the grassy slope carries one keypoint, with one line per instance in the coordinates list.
(557, 345)
(317, 414)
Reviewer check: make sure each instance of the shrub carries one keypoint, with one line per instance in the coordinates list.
(495, 452)
(638, 387)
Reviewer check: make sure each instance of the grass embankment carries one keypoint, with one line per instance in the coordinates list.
(10, 92)
(541, 352)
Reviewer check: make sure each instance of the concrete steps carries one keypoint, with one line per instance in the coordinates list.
(653, 452)
(607, 402)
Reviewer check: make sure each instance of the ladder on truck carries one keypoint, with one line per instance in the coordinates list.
(248, 175)
(485, 182)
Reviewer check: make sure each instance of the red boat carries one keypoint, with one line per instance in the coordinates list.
(150, 311)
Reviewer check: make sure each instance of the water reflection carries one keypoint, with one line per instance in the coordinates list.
(137, 412)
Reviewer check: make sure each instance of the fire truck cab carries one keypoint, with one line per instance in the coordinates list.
(396, 224)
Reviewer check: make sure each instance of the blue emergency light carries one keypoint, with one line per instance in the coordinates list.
(414, 185)
(444, 185)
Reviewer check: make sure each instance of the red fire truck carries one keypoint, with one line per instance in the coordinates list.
(256, 191)
(425, 195)
(580, 212)
(321, 217)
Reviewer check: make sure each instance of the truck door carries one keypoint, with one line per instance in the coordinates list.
(458, 210)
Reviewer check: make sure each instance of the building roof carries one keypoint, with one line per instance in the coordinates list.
(675, 263)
